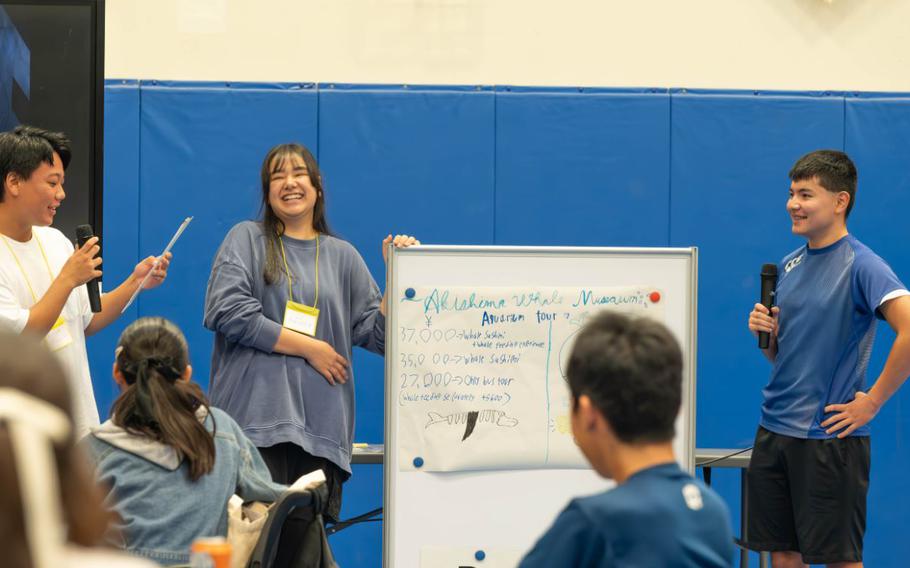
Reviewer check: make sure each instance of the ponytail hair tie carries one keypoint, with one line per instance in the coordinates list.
(164, 366)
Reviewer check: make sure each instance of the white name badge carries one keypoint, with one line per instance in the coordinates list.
(301, 318)
(59, 335)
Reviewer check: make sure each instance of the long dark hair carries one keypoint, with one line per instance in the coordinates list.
(29, 367)
(152, 355)
(272, 226)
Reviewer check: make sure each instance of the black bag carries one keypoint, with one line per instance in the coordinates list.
(294, 534)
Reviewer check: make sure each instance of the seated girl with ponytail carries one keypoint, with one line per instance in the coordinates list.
(170, 460)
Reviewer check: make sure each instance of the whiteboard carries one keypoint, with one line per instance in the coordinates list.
(462, 486)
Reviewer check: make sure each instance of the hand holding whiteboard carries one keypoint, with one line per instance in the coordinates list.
(167, 249)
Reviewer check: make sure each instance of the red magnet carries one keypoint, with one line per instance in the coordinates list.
(655, 297)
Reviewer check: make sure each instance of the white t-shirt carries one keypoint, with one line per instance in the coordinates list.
(23, 271)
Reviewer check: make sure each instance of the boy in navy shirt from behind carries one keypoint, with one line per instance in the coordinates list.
(625, 378)
(809, 472)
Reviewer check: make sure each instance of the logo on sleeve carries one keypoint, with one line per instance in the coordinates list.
(794, 263)
(692, 495)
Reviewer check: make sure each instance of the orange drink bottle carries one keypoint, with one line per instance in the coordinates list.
(210, 552)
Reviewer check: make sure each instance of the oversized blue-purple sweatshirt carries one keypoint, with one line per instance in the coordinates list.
(280, 398)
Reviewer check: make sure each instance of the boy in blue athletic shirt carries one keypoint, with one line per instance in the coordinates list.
(625, 378)
(809, 472)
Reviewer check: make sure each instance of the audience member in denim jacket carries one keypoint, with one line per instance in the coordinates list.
(171, 461)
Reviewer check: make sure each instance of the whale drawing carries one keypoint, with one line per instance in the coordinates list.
(471, 418)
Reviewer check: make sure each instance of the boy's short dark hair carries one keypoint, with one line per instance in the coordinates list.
(631, 369)
(834, 169)
(23, 148)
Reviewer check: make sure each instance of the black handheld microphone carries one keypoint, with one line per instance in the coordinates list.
(768, 285)
(84, 233)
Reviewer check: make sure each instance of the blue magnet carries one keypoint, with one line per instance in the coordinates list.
(418, 462)
(480, 555)
(409, 293)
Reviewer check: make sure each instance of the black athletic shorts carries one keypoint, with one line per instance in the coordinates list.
(808, 496)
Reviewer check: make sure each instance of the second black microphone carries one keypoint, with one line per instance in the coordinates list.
(768, 286)
(83, 234)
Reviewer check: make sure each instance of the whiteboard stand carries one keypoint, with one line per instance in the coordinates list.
(499, 514)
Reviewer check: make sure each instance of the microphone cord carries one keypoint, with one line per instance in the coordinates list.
(730, 455)
(370, 516)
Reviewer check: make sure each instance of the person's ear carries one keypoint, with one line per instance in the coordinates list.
(587, 413)
(843, 201)
(118, 376)
(12, 182)
(187, 373)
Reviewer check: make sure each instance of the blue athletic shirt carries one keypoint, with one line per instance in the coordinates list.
(829, 300)
(661, 516)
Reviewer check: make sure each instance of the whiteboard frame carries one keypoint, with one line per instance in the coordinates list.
(689, 348)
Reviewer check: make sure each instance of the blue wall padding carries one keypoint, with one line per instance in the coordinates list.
(524, 166)
(360, 544)
(730, 158)
(121, 229)
(582, 168)
(878, 138)
(417, 162)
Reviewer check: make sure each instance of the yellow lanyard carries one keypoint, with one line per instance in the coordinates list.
(22, 270)
(287, 270)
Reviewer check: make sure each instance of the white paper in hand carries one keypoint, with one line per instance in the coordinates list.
(167, 249)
